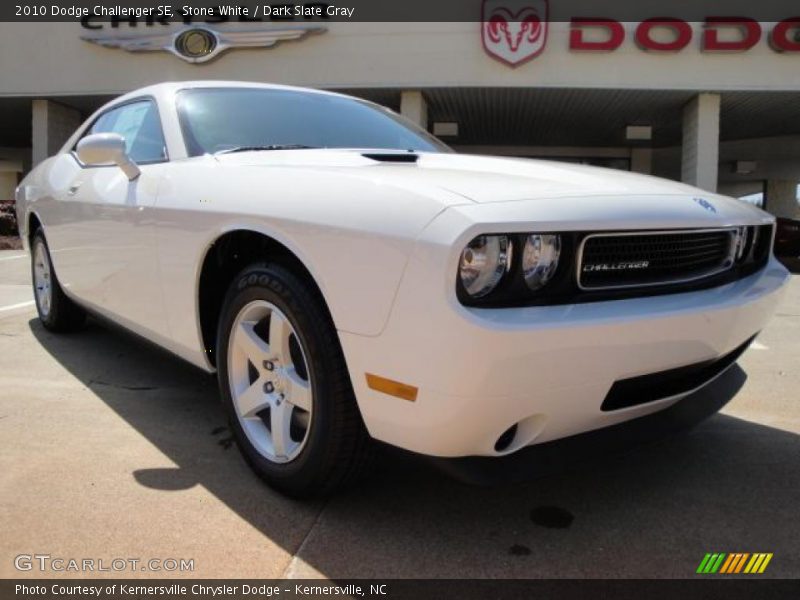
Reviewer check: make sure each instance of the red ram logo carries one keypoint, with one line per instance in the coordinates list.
(514, 31)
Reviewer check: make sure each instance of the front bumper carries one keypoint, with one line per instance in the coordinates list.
(588, 449)
(546, 369)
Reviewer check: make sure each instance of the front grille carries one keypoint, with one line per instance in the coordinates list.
(629, 260)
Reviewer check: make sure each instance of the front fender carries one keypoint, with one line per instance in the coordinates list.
(354, 237)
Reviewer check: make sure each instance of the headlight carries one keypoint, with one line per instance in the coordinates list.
(483, 263)
(540, 259)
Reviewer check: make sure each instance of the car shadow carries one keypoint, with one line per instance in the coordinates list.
(626, 510)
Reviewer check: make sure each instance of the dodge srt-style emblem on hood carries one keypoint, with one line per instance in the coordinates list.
(514, 31)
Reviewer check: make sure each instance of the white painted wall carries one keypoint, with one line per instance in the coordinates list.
(414, 107)
(700, 149)
(396, 55)
(782, 198)
(53, 124)
(8, 183)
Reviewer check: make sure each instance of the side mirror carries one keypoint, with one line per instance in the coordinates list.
(105, 149)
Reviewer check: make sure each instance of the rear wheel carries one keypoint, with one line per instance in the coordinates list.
(285, 385)
(56, 311)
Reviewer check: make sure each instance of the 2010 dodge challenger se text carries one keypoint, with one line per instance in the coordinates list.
(351, 279)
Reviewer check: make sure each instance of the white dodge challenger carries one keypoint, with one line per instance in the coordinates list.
(351, 279)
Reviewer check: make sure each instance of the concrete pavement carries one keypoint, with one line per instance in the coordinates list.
(15, 287)
(111, 448)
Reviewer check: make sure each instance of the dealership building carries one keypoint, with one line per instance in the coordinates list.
(714, 103)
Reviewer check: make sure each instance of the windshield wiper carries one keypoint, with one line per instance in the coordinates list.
(264, 148)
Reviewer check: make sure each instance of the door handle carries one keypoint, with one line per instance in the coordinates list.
(73, 189)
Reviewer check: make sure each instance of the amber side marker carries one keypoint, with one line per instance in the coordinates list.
(393, 388)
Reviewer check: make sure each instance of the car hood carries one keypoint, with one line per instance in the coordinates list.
(483, 179)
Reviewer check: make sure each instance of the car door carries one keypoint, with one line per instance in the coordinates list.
(104, 241)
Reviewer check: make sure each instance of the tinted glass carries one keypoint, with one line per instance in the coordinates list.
(139, 124)
(220, 119)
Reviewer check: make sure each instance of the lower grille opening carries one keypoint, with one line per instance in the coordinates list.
(664, 384)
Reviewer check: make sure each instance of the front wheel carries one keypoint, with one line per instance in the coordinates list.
(285, 386)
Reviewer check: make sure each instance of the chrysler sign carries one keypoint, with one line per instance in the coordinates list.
(515, 31)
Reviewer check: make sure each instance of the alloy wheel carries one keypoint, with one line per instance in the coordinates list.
(270, 381)
(42, 278)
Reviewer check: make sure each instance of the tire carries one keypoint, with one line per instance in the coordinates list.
(56, 311)
(301, 389)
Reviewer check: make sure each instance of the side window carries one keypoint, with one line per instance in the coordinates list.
(139, 124)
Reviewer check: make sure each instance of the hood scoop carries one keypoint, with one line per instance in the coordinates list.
(392, 157)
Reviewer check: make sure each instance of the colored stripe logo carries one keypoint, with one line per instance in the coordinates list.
(734, 563)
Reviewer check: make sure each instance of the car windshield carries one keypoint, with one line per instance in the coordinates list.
(224, 119)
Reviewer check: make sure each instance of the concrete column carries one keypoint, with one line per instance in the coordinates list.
(414, 107)
(52, 125)
(781, 198)
(642, 160)
(10, 171)
(700, 152)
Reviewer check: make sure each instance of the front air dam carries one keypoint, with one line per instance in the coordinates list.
(557, 456)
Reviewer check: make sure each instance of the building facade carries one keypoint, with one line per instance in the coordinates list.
(713, 103)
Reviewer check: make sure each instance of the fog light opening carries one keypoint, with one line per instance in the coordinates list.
(506, 439)
(521, 434)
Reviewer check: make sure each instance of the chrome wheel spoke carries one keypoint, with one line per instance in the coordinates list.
(253, 400)
(248, 342)
(279, 332)
(280, 428)
(298, 390)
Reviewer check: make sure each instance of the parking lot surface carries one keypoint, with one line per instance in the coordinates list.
(111, 448)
